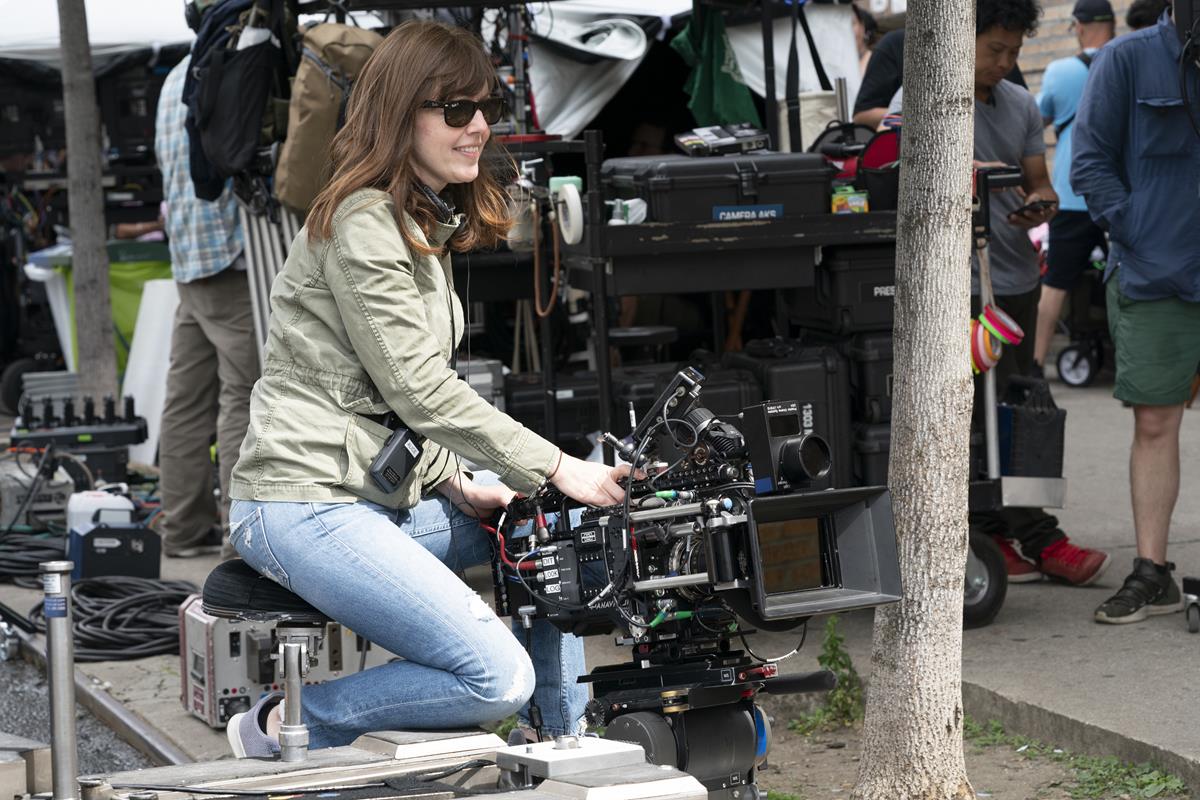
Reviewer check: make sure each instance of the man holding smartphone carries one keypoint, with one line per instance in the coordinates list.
(1008, 130)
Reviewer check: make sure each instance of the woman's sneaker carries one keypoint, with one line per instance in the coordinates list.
(247, 732)
(1149, 590)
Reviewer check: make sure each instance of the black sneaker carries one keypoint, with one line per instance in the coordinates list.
(1147, 591)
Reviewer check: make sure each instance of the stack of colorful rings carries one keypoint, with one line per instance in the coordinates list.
(985, 348)
(1001, 325)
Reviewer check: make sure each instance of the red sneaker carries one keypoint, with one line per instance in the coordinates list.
(1020, 570)
(1075, 565)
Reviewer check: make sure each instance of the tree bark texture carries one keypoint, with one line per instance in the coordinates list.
(96, 360)
(913, 729)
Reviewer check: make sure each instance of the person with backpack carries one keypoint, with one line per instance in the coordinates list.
(214, 353)
(1073, 234)
(365, 324)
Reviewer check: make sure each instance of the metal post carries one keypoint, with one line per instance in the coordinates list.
(60, 669)
(293, 734)
(768, 46)
(516, 44)
(991, 425)
(595, 232)
(842, 95)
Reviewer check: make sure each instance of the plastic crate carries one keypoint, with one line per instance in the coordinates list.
(1032, 431)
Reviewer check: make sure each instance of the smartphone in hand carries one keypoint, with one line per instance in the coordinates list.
(1037, 206)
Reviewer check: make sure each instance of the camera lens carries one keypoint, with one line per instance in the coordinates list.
(805, 458)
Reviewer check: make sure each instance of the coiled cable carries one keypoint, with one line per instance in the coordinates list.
(117, 618)
(22, 551)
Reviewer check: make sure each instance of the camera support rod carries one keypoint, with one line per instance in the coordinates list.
(60, 669)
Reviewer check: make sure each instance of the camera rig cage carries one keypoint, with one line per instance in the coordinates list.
(717, 537)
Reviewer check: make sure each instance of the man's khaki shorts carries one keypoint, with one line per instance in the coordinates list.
(1158, 347)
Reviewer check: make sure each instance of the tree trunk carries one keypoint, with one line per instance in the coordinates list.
(96, 360)
(913, 729)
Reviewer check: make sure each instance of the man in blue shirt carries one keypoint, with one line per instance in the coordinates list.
(214, 352)
(1073, 234)
(1137, 164)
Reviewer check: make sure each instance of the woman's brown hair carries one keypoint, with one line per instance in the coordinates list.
(418, 61)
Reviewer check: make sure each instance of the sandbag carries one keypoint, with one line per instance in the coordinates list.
(332, 56)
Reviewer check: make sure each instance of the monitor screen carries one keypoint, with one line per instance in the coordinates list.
(790, 551)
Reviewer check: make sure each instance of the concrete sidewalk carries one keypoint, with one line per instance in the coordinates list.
(1043, 668)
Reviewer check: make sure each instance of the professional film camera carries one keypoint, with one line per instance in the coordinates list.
(719, 538)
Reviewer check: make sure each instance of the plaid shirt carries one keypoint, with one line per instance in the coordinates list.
(205, 237)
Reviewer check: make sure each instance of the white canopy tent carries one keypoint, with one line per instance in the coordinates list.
(30, 30)
(568, 93)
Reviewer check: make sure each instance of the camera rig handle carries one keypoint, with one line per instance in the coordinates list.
(820, 681)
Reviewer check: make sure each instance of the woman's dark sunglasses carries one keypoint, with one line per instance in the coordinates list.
(459, 113)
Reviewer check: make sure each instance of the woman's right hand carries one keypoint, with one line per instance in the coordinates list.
(589, 482)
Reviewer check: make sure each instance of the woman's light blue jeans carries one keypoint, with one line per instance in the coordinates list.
(389, 575)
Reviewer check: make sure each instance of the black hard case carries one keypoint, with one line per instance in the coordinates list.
(677, 188)
(855, 291)
(871, 376)
(872, 447)
(725, 392)
(576, 402)
(817, 377)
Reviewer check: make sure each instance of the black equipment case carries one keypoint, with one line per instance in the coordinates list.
(750, 186)
(855, 291)
(725, 392)
(815, 376)
(871, 376)
(576, 402)
(872, 447)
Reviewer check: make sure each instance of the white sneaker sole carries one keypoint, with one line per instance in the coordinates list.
(1141, 614)
(231, 733)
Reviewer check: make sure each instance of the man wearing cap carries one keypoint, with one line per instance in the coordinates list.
(1073, 234)
(1137, 164)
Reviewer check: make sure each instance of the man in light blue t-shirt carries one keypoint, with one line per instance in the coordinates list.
(1073, 234)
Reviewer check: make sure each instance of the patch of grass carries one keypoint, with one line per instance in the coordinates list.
(774, 795)
(844, 704)
(1099, 777)
(1094, 777)
(505, 726)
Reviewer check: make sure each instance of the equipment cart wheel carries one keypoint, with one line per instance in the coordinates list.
(10, 383)
(986, 581)
(1193, 618)
(1077, 365)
